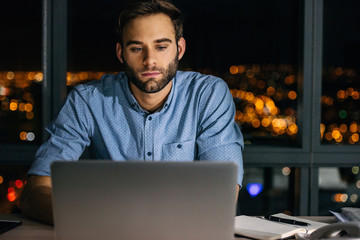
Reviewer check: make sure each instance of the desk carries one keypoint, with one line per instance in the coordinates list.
(31, 230)
(28, 230)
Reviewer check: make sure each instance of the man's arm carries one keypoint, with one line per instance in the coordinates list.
(36, 200)
(219, 138)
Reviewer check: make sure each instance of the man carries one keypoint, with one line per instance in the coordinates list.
(150, 112)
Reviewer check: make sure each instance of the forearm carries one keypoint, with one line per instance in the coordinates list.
(36, 203)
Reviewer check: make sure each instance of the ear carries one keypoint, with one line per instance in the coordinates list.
(119, 52)
(181, 47)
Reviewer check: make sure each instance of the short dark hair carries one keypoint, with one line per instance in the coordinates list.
(138, 8)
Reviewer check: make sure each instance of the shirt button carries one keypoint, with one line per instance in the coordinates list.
(149, 154)
(179, 146)
(150, 118)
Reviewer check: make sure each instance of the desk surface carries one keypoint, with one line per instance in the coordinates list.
(31, 230)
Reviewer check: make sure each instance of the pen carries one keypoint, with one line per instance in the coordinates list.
(286, 220)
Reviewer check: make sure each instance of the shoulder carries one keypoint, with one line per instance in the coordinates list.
(108, 85)
(198, 81)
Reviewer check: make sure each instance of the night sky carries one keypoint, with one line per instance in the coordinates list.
(218, 33)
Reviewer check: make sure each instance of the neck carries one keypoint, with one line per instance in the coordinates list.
(151, 102)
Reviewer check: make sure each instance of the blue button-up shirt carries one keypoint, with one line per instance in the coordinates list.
(195, 123)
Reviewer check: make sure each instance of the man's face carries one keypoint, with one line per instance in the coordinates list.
(150, 52)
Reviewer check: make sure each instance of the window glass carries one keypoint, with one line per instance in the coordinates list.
(252, 45)
(20, 72)
(268, 191)
(338, 187)
(12, 181)
(340, 119)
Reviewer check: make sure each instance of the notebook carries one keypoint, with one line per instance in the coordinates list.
(263, 229)
(144, 200)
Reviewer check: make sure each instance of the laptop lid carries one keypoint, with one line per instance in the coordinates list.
(144, 200)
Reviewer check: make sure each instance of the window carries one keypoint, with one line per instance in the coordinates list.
(252, 45)
(338, 187)
(292, 67)
(20, 72)
(269, 190)
(341, 73)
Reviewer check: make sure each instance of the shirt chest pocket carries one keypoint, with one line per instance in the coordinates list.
(180, 151)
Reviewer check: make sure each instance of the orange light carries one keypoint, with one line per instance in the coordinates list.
(19, 183)
(28, 107)
(265, 122)
(31, 75)
(10, 75)
(322, 127)
(259, 105)
(39, 77)
(343, 128)
(270, 91)
(341, 94)
(241, 69)
(1, 179)
(84, 76)
(355, 137)
(274, 111)
(234, 70)
(328, 136)
(13, 106)
(249, 96)
(29, 115)
(349, 91)
(339, 139)
(292, 95)
(293, 129)
(289, 79)
(23, 135)
(337, 197)
(255, 123)
(11, 196)
(355, 95)
(353, 127)
(339, 71)
(336, 134)
(22, 107)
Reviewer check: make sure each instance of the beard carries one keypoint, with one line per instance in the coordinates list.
(152, 85)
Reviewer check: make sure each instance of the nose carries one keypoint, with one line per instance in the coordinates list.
(149, 58)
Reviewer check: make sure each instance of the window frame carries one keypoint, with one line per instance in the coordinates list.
(308, 155)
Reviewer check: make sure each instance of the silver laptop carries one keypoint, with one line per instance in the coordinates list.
(144, 200)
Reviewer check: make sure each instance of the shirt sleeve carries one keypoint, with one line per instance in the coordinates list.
(219, 137)
(69, 134)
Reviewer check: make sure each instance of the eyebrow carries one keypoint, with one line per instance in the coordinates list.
(161, 40)
(133, 42)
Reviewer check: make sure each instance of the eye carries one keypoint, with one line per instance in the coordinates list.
(161, 48)
(135, 49)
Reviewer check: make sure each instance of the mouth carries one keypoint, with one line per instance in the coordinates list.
(150, 74)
